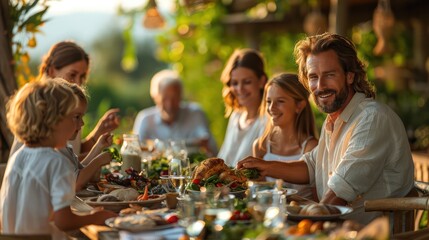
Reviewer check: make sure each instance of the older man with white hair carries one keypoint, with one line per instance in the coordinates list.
(171, 118)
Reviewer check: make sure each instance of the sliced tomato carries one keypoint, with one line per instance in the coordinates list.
(196, 181)
(235, 215)
(245, 216)
(172, 218)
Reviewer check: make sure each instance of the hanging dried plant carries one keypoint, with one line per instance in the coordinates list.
(383, 23)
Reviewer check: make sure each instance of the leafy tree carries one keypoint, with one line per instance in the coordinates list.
(19, 23)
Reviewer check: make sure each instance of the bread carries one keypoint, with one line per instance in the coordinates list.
(125, 194)
(134, 222)
(128, 211)
(318, 209)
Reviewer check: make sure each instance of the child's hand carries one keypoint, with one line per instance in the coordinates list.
(104, 141)
(107, 123)
(102, 215)
(103, 158)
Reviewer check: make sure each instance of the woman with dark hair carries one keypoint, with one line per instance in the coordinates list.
(244, 79)
(69, 61)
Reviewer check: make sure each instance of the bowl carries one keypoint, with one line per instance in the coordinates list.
(260, 185)
(198, 195)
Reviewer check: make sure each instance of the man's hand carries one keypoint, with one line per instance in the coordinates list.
(253, 162)
(331, 198)
(291, 171)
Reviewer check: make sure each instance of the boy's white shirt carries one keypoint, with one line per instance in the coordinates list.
(37, 182)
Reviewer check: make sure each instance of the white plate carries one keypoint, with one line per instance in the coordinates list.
(79, 207)
(118, 206)
(290, 191)
(343, 211)
(110, 222)
(92, 189)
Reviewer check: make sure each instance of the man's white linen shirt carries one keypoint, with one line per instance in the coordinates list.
(363, 155)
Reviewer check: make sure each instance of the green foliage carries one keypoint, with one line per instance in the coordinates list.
(192, 46)
(110, 86)
(27, 17)
(116, 156)
(393, 88)
(198, 47)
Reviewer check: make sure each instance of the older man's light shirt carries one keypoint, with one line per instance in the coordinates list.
(191, 124)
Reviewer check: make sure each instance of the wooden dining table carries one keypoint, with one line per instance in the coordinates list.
(95, 232)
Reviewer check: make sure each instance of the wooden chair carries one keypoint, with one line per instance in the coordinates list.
(402, 211)
(421, 166)
(422, 234)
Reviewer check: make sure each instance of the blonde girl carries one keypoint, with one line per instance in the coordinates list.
(290, 131)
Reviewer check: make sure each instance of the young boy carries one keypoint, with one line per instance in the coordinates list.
(39, 182)
(92, 163)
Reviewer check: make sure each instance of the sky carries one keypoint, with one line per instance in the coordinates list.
(83, 21)
(60, 7)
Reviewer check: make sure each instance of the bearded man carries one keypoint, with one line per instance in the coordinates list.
(363, 151)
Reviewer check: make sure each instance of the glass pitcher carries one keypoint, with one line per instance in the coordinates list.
(131, 153)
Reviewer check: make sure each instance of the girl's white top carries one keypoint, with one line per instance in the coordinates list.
(303, 190)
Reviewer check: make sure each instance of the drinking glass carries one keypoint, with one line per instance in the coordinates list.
(269, 208)
(176, 175)
(257, 186)
(191, 216)
(178, 149)
(186, 168)
(218, 212)
(159, 148)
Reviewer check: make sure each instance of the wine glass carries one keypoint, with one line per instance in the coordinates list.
(159, 148)
(176, 176)
(178, 149)
(186, 168)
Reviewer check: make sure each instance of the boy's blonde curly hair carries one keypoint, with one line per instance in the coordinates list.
(37, 107)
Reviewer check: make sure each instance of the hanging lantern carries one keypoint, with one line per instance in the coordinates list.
(315, 23)
(383, 23)
(153, 19)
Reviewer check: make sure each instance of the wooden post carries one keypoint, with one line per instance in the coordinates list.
(7, 79)
(338, 17)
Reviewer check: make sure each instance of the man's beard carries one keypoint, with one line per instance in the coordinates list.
(338, 102)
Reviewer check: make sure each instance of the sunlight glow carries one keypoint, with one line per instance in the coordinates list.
(60, 7)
